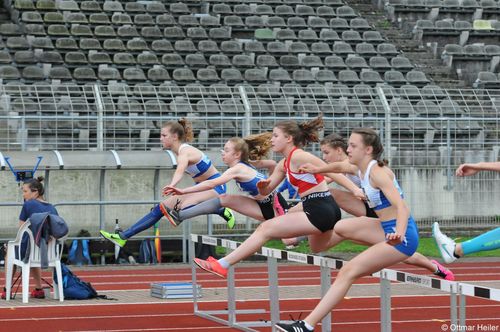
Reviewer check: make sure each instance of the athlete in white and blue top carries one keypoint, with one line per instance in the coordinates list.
(191, 161)
(334, 152)
(238, 154)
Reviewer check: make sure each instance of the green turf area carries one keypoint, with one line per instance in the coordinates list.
(427, 247)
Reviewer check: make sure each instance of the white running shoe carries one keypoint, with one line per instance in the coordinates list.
(445, 245)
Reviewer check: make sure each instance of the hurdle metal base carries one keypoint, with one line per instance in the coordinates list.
(243, 326)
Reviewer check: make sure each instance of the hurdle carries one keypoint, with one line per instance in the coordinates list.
(457, 290)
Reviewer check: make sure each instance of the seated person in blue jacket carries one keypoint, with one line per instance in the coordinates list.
(34, 202)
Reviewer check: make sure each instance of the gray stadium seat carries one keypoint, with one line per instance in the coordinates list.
(35, 29)
(387, 49)
(453, 49)
(134, 74)
(46, 5)
(351, 37)
(127, 32)
(196, 60)
(185, 46)
(75, 58)
(219, 60)
(364, 91)
(409, 91)
(183, 75)
(196, 33)
(379, 63)
(339, 24)
(335, 62)
(231, 75)
(208, 21)
(254, 47)
(165, 20)
(99, 19)
(254, 22)
(151, 33)
(17, 43)
(90, 44)
(53, 18)
(302, 10)
(325, 75)
(188, 21)
(275, 22)
(162, 46)
(207, 75)
(25, 57)
(135, 7)
(349, 77)
(219, 33)
(433, 92)
(279, 75)
(284, 11)
(147, 58)
(296, 23)
(359, 24)
(50, 57)
(307, 35)
(428, 109)
(124, 59)
(373, 37)
(345, 12)
(317, 23)
(222, 9)
(113, 45)
(394, 77)
(5, 57)
(416, 77)
(370, 77)
(172, 60)
(321, 48)
(33, 73)
(112, 6)
(366, 50)
(401, 63)
(208, 47)
(155, 7)
(242, 10)
(44, 43)
(84, 74)
(29, 17)
(81, 31)
(104, 31)
(462, 25)
(328, 35)
(255, 75)
(277, 48)
(265, 60)
(243, 61)
(311, 61)
(298, 47)
(231, 47)
(285, 34)
(173, 33)
(99, 58)
(342, 48)
(60, 73)
(289, 61)
(326, 11)
(355, 62)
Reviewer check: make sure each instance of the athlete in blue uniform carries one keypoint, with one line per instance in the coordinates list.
(191, 161)
(401, 235)
(448, 248)
(334, 150)
(238, 155)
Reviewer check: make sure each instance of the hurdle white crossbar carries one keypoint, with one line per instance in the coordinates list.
(455, 289)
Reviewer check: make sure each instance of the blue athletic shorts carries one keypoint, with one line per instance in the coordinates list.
(410, 242)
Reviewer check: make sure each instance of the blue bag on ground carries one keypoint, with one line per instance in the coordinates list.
(76, 289)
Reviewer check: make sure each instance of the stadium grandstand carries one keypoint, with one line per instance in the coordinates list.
(99, 75)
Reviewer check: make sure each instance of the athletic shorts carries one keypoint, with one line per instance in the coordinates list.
(267, 207)
(369, 211)
(219, 189)
(410, 242)
(321, 210)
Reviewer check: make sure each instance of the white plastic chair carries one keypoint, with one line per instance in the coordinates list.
(54, 252)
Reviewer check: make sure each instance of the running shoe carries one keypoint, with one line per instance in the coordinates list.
(38, 293)
(228, 216)
(298, 326)
(172, 215)
(4, 294)
(211, 265)
(443, 272)
(445, 245)
(115, 238)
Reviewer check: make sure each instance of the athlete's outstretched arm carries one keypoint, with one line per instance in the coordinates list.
(267, 186)
(182, 164)
(471, 169)
(202, 186)
(335, 167)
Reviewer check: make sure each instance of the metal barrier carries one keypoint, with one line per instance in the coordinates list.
(455, 289)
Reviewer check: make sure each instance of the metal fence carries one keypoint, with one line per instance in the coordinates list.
(419, 125)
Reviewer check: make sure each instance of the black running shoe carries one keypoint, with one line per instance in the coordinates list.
(297, 326)
(172, 215)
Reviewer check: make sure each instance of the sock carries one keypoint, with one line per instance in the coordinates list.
(225, 264)
(212, 206)
(484, 242)
(309, 327)
(144, 223)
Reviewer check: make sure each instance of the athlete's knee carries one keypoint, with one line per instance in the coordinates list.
(342, 228)
(349, 271)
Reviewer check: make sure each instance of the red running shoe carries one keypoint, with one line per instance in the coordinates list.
(211, 265)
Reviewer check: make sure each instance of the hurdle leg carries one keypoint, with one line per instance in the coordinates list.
(272, 266)
(326, 277)
(385, 303)
(453, 305)
(462, 306)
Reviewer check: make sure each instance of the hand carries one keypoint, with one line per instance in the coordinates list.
(263, 184)
(308, 168)
(169, 190)
(394, 238)
(360, 194)
(465, 170)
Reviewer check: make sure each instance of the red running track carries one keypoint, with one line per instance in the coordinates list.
(410, 313)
